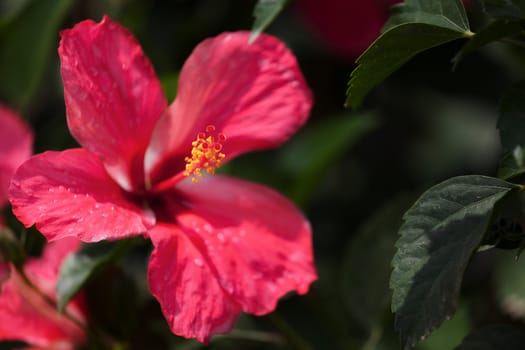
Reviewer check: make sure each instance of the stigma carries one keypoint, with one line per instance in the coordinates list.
(205, 154)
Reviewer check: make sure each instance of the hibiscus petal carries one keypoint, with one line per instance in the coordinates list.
(16, 141)
(69, 194)
(113, 97)
(257, 241)
(192, 301)
(26, 316)
(254, 94)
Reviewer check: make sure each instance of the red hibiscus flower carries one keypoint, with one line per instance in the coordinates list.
(221, 245)
(16, 142)
(26, 316)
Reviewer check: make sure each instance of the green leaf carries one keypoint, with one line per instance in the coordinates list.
(509, 168)
(496, 30)
(451, 332)
(416, 26)
(25, 47)
(324, 144)
(504, 8)
(511, 123)
(390, 51)
(265, 12)
(366, 269)
(78, 268)
(442, 13)
(440, 233)
(494, 337)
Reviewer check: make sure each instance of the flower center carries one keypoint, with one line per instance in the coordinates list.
(205, 155)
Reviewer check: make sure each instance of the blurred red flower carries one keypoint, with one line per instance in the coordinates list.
(26, 316)
(16, 142)
(220, 246)
(347, 27)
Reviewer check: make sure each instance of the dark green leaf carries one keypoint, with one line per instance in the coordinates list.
(367, 268)
(441, 13)
(494, 31)
(440, 233)
(509, 168)
(324, 144)
(416, 26)
(494, 337)
(78, 268)
(25, 47)
(265, 12)
(504, 8)
(390, 51)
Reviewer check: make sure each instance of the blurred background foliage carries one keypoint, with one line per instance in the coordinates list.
(354, 173)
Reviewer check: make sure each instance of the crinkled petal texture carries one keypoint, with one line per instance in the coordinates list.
(24, 315)
(247, 244)
(16, 142)
(191, 298)
(69, 194)
(113, 97)
(253, 93)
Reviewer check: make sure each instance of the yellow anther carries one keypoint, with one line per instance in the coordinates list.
(205, 155)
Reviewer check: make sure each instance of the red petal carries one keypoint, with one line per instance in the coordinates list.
(70, 194)
(16, 140)
(258, 241)
(24, 315)
(253, 93)
(192, 301)
(113, 97)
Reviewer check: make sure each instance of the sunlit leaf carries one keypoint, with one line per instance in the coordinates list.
(418, 25)
(265, 12)
(439, 235)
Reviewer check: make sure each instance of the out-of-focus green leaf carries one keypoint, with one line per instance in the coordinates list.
(10, 249)
(511, 124)
(451, 332)
(441, 232)
(510, 284)
(9, 9)
(25, 47)
(504, 8)
(494, 337)
(170, 84)
(496, 30)
(265, 12)
(78, 268)
(366, 269)
(417, 25)
(311, 152)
